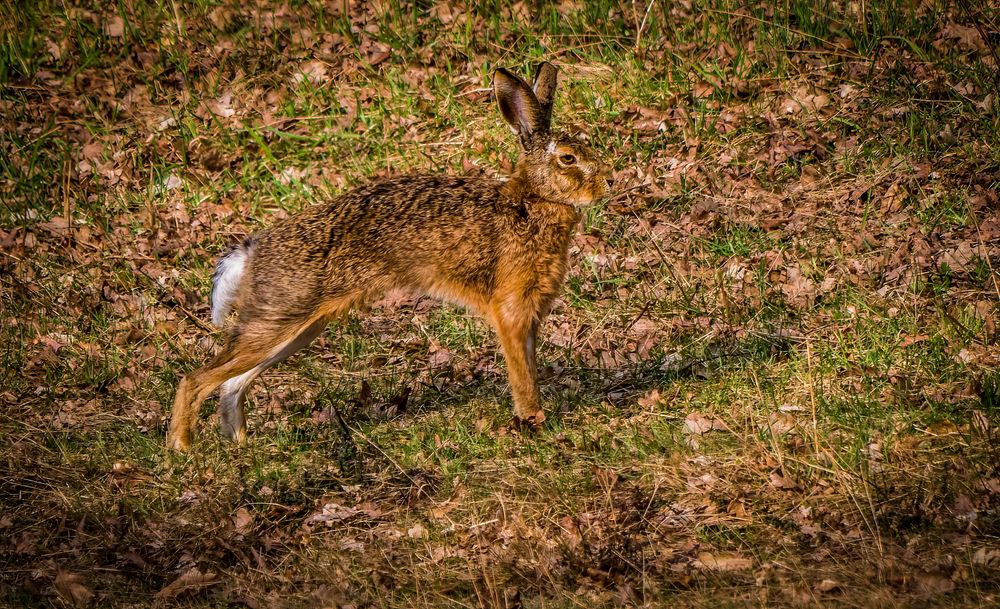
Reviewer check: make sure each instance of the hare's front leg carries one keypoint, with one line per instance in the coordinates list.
(516, 326)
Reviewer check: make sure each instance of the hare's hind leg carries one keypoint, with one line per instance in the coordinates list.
(232, 417)
(253, 344)
(516, 325)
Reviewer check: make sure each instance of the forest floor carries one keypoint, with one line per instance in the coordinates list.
(771, 379)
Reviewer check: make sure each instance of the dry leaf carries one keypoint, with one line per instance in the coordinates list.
(352, 545)
(114, 27)
(440, 355)
(781, 423)
(912, 340)
(651, 120)
(223, 106)
(314, 71)
(242, 520)
(797, 288)
(827, 585)
(190, 581)
(987, 557)
(332, 512)
(698, 424)
(893, 198)
(968, 38)
(651, 399)
(782, 482)
(803, 99)
(71, 589)
(723, 562)
(963, 257)
(606, 478)
(447, 12)
(737, 508)
(932, 584)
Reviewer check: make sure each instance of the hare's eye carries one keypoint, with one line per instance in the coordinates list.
(567, 159)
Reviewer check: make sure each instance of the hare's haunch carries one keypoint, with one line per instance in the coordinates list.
(499, 248)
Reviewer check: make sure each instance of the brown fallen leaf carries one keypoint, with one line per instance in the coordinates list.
(799, 289)
(723, 562)
(651, 399)
(967, 38)
(941, 428)
(332, 512)
(893, 198)
(417, 531)
(698, 424)
(828, 585)
(964, 257)
(737, 508)
(986, 557)
(803, 99)
(606, 478)
(242, 520)
(447, 12)
(190, 581)
(379, 56)
(912, 340)
(932, 584)
(439, 355)
(782, 482)
(781, 423)
(71, 589)
(57, 227)
(114, 27)
(313, 71)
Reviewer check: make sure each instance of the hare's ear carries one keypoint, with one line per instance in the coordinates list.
(544, 88)
(518, 105)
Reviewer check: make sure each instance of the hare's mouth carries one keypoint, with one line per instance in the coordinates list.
(583, 201)
(597, 193)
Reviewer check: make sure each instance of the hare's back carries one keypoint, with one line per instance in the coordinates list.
(406, 225)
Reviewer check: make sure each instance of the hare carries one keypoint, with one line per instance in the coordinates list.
(499, 248)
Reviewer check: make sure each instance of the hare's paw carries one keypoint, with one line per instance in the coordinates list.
(532, 422)
(179, 441)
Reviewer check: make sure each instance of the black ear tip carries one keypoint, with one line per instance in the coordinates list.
(503, 73)
(546, 76)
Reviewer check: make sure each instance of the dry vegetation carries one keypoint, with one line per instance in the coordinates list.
(771, 378)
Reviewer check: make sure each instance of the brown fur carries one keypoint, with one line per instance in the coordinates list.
(499, 248)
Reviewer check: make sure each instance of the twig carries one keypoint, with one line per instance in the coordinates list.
(986, 40)
(395, 464)
(349, 457)
(177, 21)
(67, 201)
(345, 430)
(642, 25)
(636, 319)
(168, 299)
(986, 253)
(957, 324)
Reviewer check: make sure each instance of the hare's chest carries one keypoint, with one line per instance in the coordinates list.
(537, 253)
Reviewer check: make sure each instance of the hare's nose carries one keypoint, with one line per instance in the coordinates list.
(608, 176)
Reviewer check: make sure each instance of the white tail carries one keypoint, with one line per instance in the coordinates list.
(226, 280)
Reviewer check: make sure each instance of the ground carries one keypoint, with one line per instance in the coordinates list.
(770, 379)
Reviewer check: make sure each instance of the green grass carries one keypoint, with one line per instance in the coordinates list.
(751, 268)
